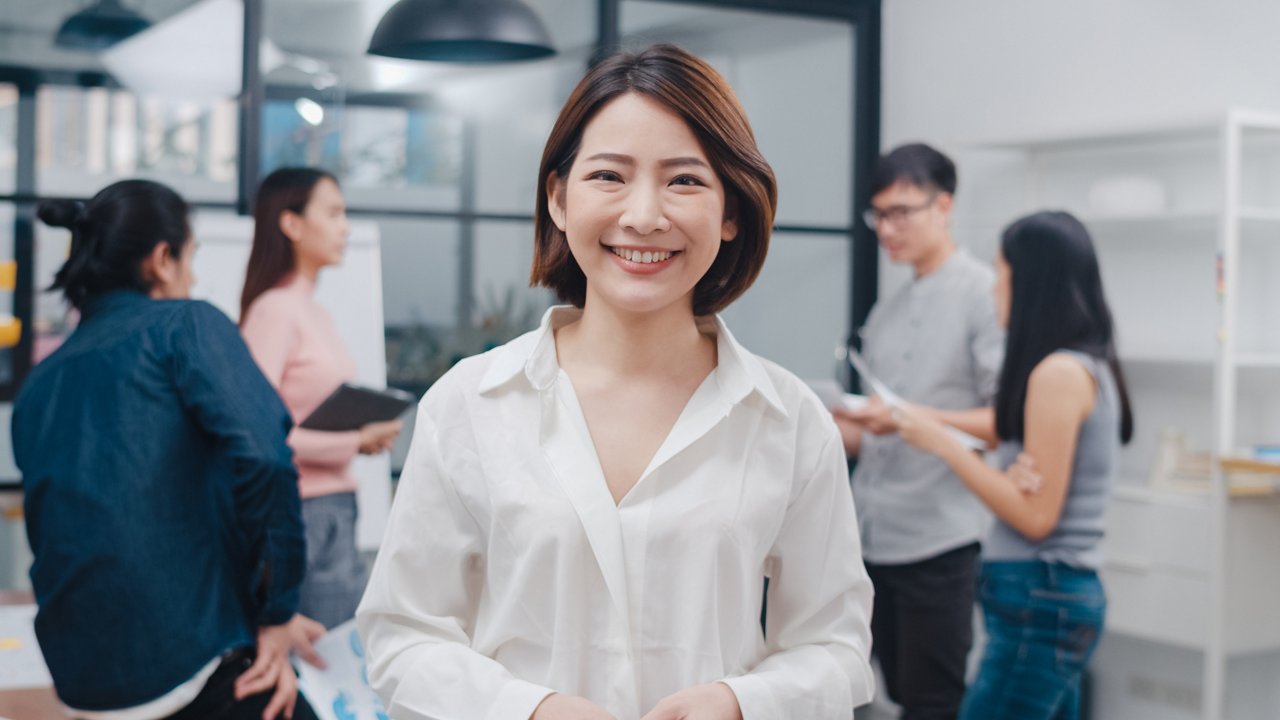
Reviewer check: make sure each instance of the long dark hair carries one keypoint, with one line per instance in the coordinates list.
(272, 258)
(113, 233)
(1056, 303)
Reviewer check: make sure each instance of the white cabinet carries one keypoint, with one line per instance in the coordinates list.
(1186, 221)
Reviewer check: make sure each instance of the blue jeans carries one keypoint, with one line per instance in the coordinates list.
(1043, 622)
(336, 573)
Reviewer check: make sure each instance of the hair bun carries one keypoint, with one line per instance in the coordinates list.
(61, 213)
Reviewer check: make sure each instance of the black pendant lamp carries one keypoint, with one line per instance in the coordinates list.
(99, 26)
(461, 31)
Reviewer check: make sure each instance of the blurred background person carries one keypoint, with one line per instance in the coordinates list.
(300, 227)
(1062, 402)
(161, 502)
(937, 344)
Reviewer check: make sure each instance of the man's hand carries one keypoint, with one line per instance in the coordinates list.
(569, 707)
(850, 431)
(875, 417)
(713, 701)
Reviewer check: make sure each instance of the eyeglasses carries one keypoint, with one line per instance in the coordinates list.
(894, 215)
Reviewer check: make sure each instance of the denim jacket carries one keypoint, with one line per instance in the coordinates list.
(161, 500)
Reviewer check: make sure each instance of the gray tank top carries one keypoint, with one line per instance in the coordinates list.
(1075, 540)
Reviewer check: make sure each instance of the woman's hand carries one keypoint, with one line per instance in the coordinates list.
(379, 436)
(713, 701)
(923, 432)
(303, 632)
(1024, 475)
(271, 670)
(569, 707)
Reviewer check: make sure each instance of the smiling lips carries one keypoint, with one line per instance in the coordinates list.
(646, 260)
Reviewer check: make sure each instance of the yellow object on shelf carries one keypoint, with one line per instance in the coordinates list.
(10, 331)
(8, 275)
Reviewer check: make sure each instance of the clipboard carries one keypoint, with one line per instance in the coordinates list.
(351, 407)
(892, 399)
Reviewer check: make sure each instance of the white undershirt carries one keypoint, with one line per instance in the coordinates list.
(163, 706)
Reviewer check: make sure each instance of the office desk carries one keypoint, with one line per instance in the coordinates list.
(28, 703)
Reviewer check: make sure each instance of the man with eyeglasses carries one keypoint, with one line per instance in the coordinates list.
(936, 344)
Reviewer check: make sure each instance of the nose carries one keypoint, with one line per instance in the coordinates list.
(644, 212)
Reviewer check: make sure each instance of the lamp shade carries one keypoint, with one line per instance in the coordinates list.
(462, 31)
(99, 26)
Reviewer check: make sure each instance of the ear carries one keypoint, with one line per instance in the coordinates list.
(728, 230)
(729, 226)
(291, 225)
(944, 202)
(159, 267)
(555, 200)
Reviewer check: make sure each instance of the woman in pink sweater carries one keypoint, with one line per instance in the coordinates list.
(301, 227)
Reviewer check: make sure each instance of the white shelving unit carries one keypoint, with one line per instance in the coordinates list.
(1186, 220)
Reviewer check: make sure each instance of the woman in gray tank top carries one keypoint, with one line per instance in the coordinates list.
(1061, 406)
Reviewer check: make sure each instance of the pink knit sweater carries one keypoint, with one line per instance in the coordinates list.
(296, 344)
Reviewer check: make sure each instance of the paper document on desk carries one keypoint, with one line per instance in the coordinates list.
(892, 399)
(340, 691)
(21, 663)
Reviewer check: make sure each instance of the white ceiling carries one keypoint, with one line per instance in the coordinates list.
(337, 33)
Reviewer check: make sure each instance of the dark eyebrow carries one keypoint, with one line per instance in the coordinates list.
(668, 163)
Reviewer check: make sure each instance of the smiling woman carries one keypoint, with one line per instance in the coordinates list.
(588, 514)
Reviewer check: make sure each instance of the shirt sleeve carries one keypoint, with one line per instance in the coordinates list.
(817, 626)
(271, 331)
(417, 614)
(986, 346)
(231, 401)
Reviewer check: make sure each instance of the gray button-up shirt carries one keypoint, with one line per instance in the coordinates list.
(935, 342)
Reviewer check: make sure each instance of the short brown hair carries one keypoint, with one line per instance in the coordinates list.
(692, 89)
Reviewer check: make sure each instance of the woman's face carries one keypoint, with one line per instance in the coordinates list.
(1002, 289)
(320, 233)
(642, 208)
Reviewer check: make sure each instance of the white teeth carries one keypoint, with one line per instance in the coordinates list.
(641, 257)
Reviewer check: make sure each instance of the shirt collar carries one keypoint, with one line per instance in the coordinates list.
(952, 261)
(533, 357)
(110, 300)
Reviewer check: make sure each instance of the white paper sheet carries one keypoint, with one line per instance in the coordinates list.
(341, 691)
(892, 399)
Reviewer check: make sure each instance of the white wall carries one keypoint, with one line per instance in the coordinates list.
(962, 73)
(984, 69)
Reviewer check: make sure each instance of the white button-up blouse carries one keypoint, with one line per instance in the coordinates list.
(508, 572)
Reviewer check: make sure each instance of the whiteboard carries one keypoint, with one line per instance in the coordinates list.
(352, 293)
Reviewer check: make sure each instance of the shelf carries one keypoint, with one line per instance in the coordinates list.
(1188, 219)
(1170, 360)
(1244, 361)
(1258, 361)
(1260, 215)
(1132, 492)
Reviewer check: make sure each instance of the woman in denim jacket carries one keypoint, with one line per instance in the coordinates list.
(160, 496)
